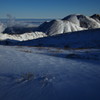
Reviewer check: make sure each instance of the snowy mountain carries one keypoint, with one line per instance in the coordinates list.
(83, 21)
(70, 23)
(58, 27)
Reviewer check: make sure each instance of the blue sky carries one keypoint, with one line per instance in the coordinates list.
(48, 8)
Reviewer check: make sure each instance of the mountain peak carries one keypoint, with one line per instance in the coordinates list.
(70, 23)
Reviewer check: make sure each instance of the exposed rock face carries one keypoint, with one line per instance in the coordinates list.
(96, 17)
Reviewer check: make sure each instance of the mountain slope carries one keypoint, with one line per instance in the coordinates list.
(81, 39)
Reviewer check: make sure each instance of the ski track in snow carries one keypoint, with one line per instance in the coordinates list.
(37, 73)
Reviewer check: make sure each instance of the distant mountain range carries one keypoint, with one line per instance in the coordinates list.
(47, 34)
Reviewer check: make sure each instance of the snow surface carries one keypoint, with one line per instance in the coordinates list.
(30, 73)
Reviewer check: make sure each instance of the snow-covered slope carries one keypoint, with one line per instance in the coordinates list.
(81, 39)
(58, 27)
(70, 23)
(22, 37)
(28, 73)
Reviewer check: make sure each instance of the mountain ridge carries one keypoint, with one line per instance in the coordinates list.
(80, 39)
(69, 24)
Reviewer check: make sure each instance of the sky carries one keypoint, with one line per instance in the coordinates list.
(48, 8)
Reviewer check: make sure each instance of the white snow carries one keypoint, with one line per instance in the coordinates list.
(29, 73)
(22, 37)
(72, 18)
